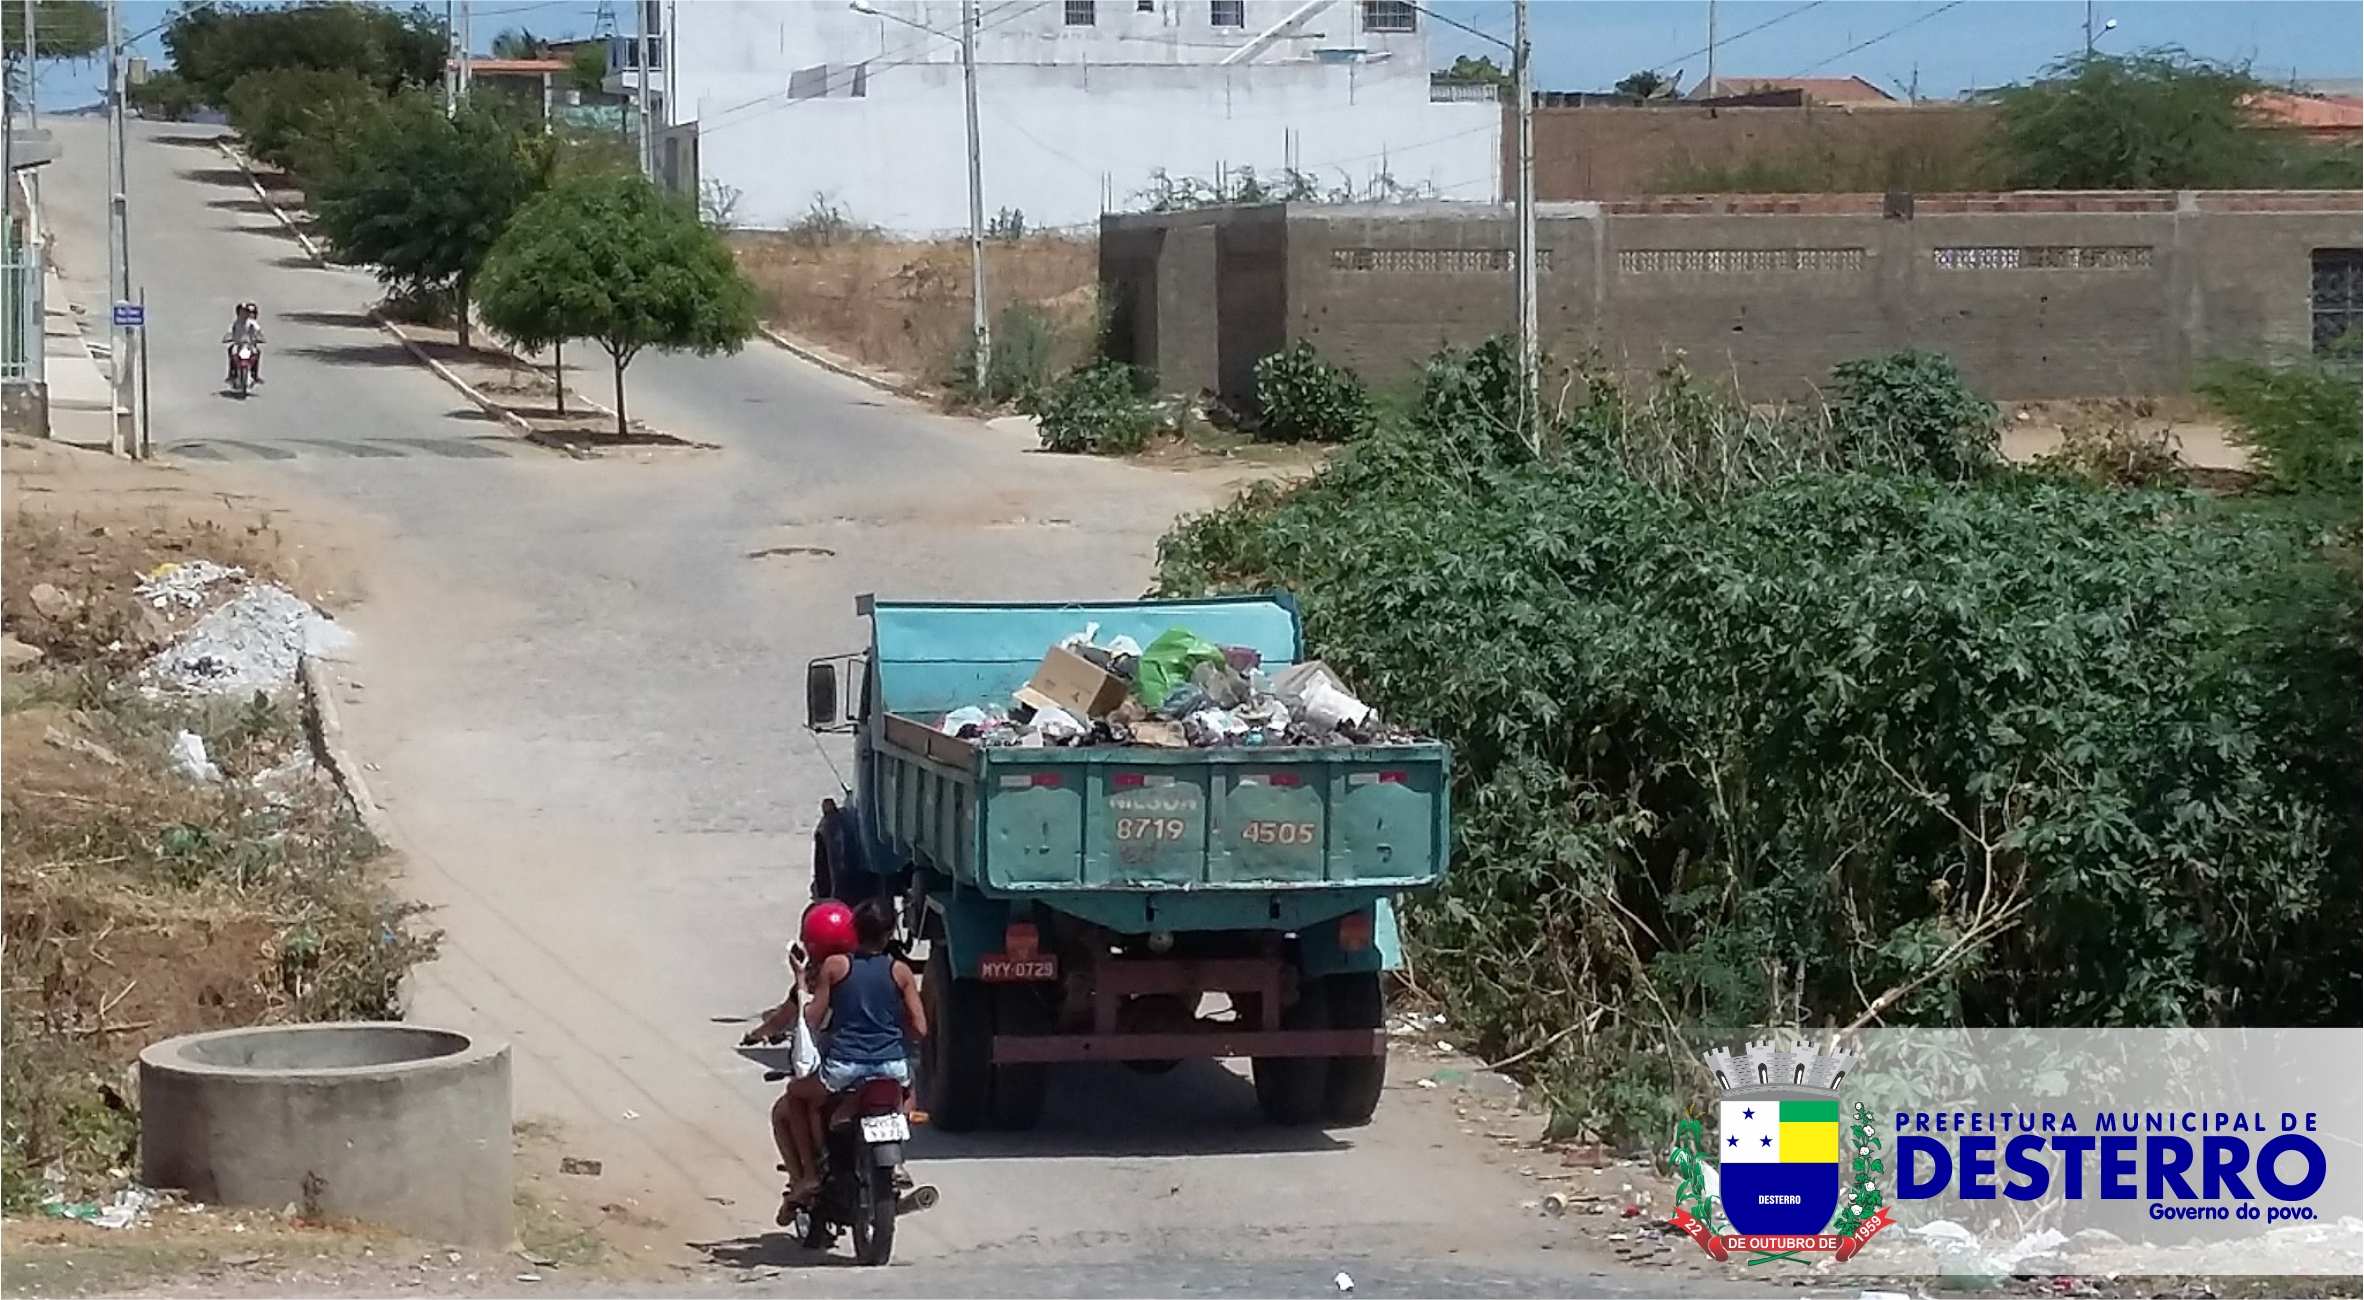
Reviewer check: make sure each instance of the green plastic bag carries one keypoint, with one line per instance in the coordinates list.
(1166, 664)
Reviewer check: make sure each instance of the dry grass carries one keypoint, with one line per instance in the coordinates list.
(904, 305)
(140, 904)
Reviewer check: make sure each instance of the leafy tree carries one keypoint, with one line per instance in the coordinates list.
(587, 70)
(1466, 68)
(213, 46)
(422, 198)
(2156, 120)
(276, 109)
(1649, 83)
(2300, 418)
(519, 43)
(164, 97)
(62, 29)
(612, 259)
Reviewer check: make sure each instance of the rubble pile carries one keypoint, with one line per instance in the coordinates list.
(1182, 691)
(252, 641)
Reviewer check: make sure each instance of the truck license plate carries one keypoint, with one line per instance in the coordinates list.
(885, 1128)
(999, 969)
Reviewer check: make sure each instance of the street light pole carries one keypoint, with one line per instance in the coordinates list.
(978, 320)
(118, 238)
(451, 61)
(1530, 355)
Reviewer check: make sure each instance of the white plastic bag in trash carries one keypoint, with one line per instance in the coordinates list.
(1327, 706)
(188, 758)
(962, 719)
(1055, 724)
(1078, 640)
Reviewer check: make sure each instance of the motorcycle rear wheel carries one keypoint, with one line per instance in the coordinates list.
(874, 1216)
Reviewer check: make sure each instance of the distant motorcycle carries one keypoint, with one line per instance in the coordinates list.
(242, 364)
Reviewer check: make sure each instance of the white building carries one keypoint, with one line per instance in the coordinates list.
(1081, 104)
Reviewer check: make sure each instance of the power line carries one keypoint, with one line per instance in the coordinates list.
(1865, 45)
(862, 70)
(1727, 41)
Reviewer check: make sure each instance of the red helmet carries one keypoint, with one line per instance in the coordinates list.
(828, 929)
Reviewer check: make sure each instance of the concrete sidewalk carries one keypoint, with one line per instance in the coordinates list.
(81, 396)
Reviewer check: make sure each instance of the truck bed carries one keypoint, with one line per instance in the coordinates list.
(1015, 821)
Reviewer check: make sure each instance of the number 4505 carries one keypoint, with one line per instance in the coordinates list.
(1280, 833)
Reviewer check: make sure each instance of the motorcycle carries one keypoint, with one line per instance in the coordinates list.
(242, 363)
(864, 1186)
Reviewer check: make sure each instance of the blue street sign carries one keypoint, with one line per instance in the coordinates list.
(130, 315)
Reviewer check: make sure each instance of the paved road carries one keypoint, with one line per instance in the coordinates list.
(578, 682)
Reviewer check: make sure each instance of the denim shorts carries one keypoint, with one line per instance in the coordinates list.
(837, 1076)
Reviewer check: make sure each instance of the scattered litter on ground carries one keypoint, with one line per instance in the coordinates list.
(578, 1165)
(183, 584)
(128, 1207)
(190, 760)
(251, 642)
(1343, 1283)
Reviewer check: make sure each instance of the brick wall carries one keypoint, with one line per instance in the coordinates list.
(2033, 295)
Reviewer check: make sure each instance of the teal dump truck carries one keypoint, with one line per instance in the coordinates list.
(1081, 904)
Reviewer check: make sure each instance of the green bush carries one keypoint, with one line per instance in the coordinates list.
(1096, 408)
(1024, 341)
(2017, 752)
(1307, 399)
(275, 110)
(1912, 410)
(165, 97)
(2299, 419)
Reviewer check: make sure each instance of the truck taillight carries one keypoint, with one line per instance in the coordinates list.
(1354, 931)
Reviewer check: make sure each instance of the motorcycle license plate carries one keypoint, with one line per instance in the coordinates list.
(885, 1128)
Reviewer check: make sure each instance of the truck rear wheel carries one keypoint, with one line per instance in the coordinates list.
(1290, 1089)
(1018, 1089)
(1352, 1094)
(956, 1058)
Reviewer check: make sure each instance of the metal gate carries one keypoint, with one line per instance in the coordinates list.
(20, 305)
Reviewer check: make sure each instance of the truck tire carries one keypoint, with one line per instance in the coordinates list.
(824, 882)
(956, 1058)
(1290, 1089)
(1352, 1094)
(1018, 1089)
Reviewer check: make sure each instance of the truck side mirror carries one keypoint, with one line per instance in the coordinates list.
(820, 695)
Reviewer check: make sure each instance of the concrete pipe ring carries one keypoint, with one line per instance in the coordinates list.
(386, 1123)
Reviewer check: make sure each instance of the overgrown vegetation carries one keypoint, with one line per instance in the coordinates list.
(1097, 408)
(1166, 192)
(213, 46)
(1022, 359)
(2160, 119)
(1305, 398)
(141, 903)
(1819, 718)
(2298, 418)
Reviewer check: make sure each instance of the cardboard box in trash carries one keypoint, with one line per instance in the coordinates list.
(1067, 680)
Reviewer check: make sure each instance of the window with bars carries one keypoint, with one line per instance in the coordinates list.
(2336, 294)
(1082, 13)
(1390, 16)
(1227, 13)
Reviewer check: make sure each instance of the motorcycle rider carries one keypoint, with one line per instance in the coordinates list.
(869, 1002)
(247, 327)
(827, 931)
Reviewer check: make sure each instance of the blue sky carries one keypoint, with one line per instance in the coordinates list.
(1589, 44)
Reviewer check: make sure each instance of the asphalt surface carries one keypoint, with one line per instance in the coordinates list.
(578, 687)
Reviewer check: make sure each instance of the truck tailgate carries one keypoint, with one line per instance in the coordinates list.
(1138, 817)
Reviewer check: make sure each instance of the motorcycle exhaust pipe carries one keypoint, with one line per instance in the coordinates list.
(918, 1198)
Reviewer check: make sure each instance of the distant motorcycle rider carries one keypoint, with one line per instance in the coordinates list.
(246, 328)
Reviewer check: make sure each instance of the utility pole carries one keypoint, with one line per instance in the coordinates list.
(1711, 49)
(1530, 356)
(118, 241)
(670, 38)
(451, 61)
(640, 78)
(968, 71)
(32, 90)
(2088, 29)
(467, 43)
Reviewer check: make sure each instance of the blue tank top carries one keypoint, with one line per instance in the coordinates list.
(866, 1013)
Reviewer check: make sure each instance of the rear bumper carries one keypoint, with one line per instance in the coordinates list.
(1036, 1049)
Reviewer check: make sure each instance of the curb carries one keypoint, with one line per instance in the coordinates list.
(247, 170)
(445, 373)
(327, 734)
(910, 392)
